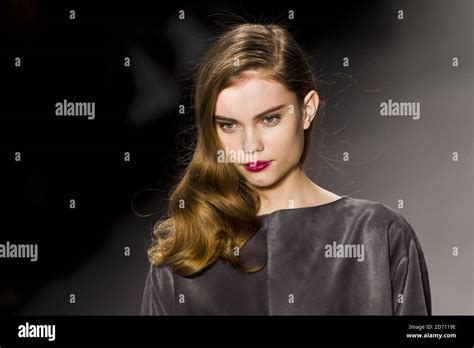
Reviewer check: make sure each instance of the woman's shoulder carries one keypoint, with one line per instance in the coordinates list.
(383, 218)
(375, 210)
(158, 293)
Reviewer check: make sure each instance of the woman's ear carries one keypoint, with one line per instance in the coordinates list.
(310, 106)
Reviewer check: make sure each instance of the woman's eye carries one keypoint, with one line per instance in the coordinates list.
(272, 119)
(269, 120)
(224, 124)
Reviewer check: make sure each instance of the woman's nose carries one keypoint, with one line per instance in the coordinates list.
(251, 141)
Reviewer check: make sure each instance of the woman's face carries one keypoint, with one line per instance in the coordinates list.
(258, 119)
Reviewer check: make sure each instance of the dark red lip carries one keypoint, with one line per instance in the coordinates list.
(256, 166)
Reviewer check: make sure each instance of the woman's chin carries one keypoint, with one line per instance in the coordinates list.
(260, 182)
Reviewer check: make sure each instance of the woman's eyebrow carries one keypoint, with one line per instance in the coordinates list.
(273, 108)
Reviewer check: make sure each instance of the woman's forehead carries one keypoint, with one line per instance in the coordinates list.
(250, 96)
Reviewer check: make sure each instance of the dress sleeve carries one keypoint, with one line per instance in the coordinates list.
(409, 273)
(158, 294)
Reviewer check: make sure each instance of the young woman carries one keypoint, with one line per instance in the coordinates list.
(247, 231)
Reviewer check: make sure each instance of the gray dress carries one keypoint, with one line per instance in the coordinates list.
(348, 257)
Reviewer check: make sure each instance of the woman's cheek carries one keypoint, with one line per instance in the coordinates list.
(281, 140)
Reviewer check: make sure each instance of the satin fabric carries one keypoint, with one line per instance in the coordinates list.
(301, 276)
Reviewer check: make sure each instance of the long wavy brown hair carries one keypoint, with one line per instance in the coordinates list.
(212, 211)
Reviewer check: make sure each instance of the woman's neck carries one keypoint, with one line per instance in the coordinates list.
(295, 190)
